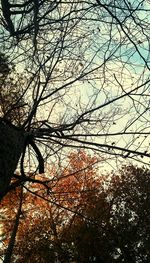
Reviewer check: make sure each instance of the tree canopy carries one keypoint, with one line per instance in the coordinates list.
(74, 76)
(89, 217)
(82, 74)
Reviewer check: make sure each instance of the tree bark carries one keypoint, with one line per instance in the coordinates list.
(11, 147)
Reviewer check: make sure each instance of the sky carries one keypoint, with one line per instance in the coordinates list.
(91, 37)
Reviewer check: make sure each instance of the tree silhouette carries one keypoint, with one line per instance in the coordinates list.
(83, 69)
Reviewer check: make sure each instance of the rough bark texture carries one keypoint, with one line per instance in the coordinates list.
(11, 147)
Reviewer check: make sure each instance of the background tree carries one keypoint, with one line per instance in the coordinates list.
(46, 213)
(117, 228)
(107, 219)
(12, 106)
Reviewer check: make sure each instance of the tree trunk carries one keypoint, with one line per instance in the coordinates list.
(11, 147)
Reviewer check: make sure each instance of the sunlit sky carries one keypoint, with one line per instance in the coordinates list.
(87, 46)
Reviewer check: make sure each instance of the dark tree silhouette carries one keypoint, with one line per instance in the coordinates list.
(81, 79)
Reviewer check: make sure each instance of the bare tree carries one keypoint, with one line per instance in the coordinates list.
(85, 70)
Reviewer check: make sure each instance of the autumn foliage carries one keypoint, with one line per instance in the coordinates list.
(84, 217)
